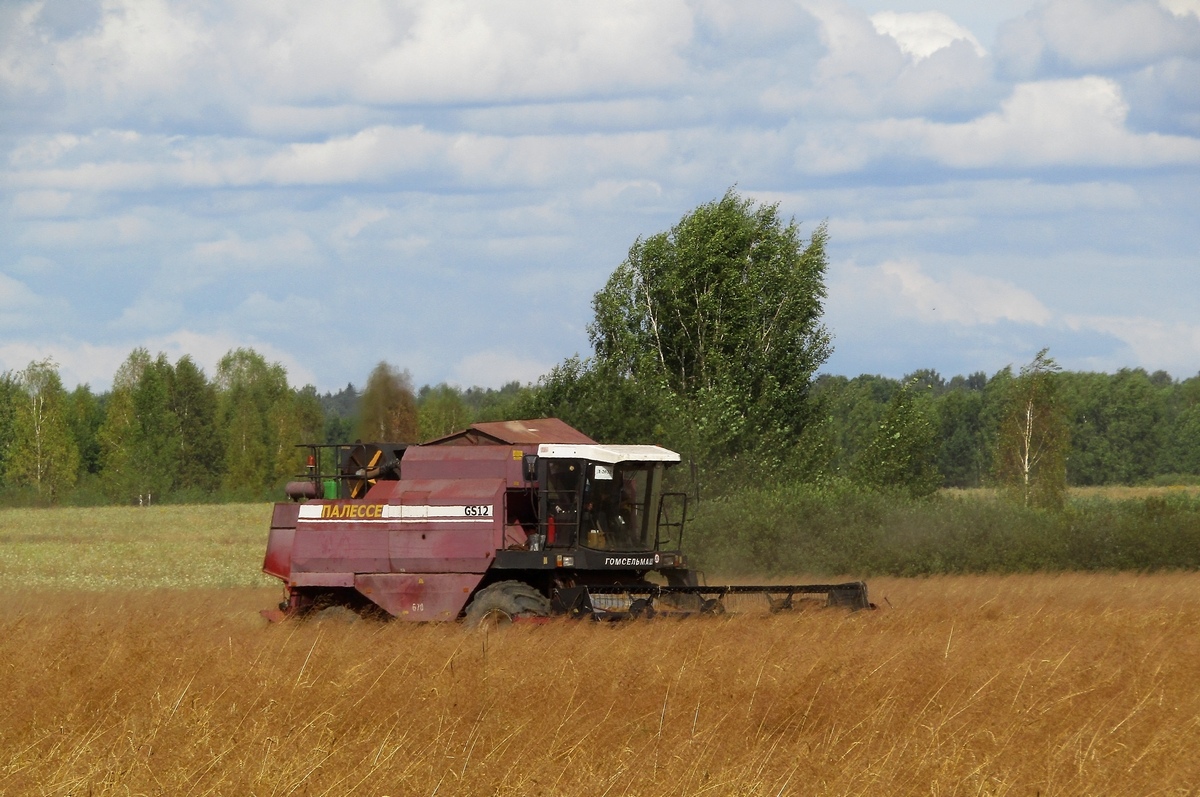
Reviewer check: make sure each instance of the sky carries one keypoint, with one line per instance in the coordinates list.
(444, 185)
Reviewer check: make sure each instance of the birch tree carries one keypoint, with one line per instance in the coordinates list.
(724, 311)
(43, 455)
(1033, 439)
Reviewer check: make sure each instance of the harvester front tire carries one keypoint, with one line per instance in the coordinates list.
(503, 602)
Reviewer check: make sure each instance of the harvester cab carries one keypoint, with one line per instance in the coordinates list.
(512, 519)
(607, 499)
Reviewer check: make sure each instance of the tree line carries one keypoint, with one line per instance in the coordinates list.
(169, 431)
(1131, 427)
(707, 339)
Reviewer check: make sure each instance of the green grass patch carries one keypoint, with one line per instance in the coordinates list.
(838, 529)
(99, 548)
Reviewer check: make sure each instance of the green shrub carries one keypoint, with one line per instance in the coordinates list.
(837, 528)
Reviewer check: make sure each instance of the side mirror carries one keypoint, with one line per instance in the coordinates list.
(530, 467)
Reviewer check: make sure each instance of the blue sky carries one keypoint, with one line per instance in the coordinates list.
(444, 185)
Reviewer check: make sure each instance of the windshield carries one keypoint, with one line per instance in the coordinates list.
(618, 506)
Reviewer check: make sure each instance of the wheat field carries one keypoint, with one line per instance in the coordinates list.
(1021, 685)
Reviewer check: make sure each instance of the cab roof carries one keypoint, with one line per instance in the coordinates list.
(609, 454)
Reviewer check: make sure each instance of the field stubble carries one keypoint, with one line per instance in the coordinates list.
(1050, 685)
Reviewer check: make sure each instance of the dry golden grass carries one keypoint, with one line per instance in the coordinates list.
(1110, 492)
(1067, 685)
(1120, 492)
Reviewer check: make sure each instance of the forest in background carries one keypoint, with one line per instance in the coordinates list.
(170, 432)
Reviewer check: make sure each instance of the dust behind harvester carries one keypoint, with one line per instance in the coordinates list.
(506, 520)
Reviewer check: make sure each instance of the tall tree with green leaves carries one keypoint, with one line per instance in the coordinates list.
(139, 438)
(441, 411)
(490, 404)
(296, 418)
(1034, 436)
(340, 410)
(1180, 453)
(193, 400)
(249, 388)
(85, 414)
(854, 408)
(9, 390)
(156, 435)
(724, 312)
(598, 400)
(960, 455)
(903, 452)
(388, 407)
(43, 455)
(115, 438)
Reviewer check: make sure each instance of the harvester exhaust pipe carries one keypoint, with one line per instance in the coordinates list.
(390, 466)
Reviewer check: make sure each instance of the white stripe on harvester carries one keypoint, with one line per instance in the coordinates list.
(408, 513)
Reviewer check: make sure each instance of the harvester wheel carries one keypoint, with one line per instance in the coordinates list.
(502, 602)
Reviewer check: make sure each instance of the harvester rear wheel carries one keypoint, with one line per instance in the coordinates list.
(504, 601)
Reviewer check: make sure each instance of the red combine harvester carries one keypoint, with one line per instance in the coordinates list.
(504, 520)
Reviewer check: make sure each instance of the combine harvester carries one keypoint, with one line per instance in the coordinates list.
(503, 521)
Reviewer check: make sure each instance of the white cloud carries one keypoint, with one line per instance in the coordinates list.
(303, 53)
(857, 228)
(858, 64)
(149, 313)
(1081, 36)
(41, 203)
(964, 298)
(1062, 123)
(143, 45)
(364, 218)
(1150, 343)
(622, 192)
(264, 314)
(14, 294)
(900, 289)
(373, 156)
(893, 63)
(288, 248)
(495, 368)
(43, 150)
(1182, 8)
(23, 309)
(370, 155)
(952, 208)
(922, 34)
(79, 361)
(506, 50)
